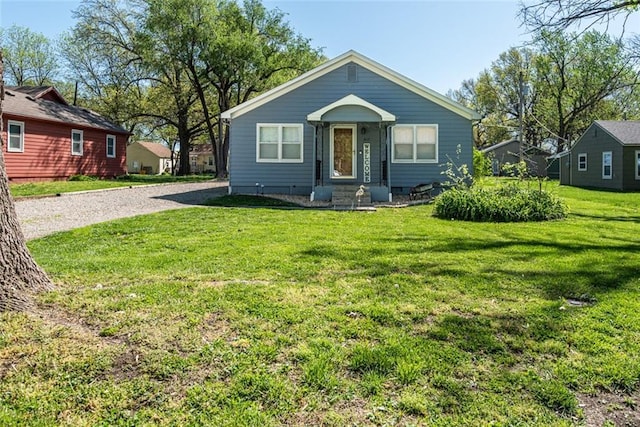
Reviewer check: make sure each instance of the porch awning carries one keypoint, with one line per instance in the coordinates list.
(351, 108)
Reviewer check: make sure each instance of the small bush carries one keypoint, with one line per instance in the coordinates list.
(83, 178)
(481, 164)
(503, 204)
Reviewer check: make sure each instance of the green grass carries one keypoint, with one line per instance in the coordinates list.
(50, 188)
(231, 316)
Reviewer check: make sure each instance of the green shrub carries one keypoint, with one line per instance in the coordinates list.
(509, 203)
(83, 178)
(481, 164)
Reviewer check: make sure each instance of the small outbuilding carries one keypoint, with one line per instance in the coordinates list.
(606, 156)
(149, 158)
(48, 139)
(508, 152)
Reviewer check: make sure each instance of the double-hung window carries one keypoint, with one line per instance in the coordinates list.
(279, 143)
(415, 144)
(77, 142)
(607, 165)
(15, 136)
(111, 146)
(582, 162)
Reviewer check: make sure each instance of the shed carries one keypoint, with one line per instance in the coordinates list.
(508, 151)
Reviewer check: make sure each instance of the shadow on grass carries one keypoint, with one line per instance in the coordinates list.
(635, 219)
(550, 269)
(246, 201)
(195, 198)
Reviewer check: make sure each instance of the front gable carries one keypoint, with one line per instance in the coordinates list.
(350, 63)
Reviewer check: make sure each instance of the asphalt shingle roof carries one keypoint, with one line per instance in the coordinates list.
(627, 132)
(27, 102)
(157, 149)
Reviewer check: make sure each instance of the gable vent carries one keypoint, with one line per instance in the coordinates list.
(352, 73)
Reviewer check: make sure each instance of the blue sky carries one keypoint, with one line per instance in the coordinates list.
(437, 43)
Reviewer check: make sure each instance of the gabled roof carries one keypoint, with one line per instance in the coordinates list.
(351, 100)
(530, 150)
(346, 58)
(41, 92)
(156, 148)
(499, 145)
(201, 149)
(24, 102)
(626, 132)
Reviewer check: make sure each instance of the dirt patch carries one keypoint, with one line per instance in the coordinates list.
(618, 409)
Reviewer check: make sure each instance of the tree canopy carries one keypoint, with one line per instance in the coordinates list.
(561, 14)
(176, 65)
(568, 81)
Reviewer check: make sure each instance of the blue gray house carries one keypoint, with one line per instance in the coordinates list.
(348, 122)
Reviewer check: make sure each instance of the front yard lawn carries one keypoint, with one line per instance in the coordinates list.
(51, 188)
(235, 316)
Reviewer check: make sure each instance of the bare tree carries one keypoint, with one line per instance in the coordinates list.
(561, 14)
(20, 276)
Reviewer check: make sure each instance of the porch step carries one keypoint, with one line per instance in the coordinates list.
(344, 196)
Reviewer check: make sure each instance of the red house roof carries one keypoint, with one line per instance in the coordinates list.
(45, 103)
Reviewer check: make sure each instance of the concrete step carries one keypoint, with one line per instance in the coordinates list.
(345, 195)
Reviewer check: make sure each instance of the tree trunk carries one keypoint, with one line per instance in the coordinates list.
(20, 276)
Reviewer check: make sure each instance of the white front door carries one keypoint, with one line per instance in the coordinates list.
(343, 152)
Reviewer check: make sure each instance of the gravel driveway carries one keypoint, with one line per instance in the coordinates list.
(40, 217)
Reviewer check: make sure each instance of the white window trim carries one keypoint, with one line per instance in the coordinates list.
(415, 151)
(610, 176)
(584, 169)
(637, 165)
(354, 146)
(280, 143)
(80, 153)
(112, 156)
(21, 148)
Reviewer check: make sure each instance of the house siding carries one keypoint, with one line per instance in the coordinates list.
(145, 158)
(294, 106)
(630, 182)
(594, 142)
(47, 152)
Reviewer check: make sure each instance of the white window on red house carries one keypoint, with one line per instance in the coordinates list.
(77, 142)
(15, 133)
(111, 146)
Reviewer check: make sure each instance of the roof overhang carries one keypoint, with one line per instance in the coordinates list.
(352, 101)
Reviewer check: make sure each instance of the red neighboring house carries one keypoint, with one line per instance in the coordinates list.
(48, 139)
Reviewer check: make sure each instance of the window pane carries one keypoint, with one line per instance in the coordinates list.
(15, 129)
(426, 134)
(291, 134)
(638, 164)
(291, 151)
(268, 151)
(76, 137)
(403, 135)
(426, 151)
(268, 134)
(15, 137)
(403, 151)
